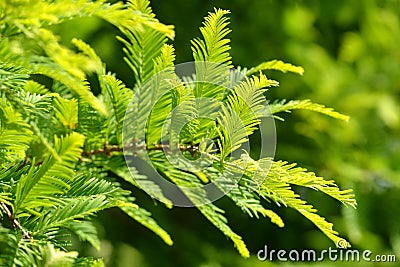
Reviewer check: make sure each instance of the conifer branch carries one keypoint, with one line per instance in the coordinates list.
(45, 132)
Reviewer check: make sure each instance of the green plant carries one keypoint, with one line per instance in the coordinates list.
(62, 145)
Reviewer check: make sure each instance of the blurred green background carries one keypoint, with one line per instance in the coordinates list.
(350, 50)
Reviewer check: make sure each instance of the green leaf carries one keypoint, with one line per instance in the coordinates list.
(244, 197)
(151, 102)
(129, 173)
(86, 231)
(66, 111)
(299, 176)
(306, 105)
(143, 217)
(240, 118)
(272, 182)
(192, 188)
(213, 214)
(144, 44)
(81, 88)
(51, 177)
(214, 47)
(117, 98)
(211, 54)
(276, 65)
(72, 209)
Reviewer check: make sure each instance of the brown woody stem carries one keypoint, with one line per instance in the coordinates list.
(108, 149)
(15, 222)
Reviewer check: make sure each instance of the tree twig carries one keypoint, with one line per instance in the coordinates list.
(15, 222)
(135, 147)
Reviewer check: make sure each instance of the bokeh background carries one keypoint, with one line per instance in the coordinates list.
(350, 50)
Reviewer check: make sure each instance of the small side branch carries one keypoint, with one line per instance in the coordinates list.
(135, 147)
(15, 222)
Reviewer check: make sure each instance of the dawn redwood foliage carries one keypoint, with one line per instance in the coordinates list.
(62, 146)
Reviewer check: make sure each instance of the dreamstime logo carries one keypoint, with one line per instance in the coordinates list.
(331, 254)
(196, 94)
(342, 243)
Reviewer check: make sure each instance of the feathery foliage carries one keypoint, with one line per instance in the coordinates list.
(62, 146)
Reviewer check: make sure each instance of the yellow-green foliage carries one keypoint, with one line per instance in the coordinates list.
(59, 142)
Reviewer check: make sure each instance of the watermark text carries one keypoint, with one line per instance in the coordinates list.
(332, 254)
